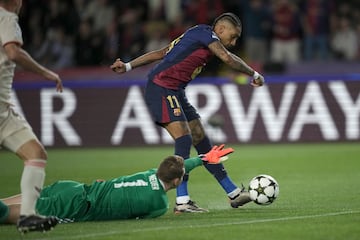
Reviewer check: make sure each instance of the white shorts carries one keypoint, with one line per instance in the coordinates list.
(14, 130)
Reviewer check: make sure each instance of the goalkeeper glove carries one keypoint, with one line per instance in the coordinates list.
(216, 155)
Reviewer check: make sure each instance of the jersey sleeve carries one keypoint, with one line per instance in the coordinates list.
(10, 30)
(192, 163)
(204, 35)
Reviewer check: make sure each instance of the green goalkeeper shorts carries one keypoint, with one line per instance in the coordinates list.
(63, 199)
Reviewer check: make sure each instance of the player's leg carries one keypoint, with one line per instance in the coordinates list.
(14, 213)
(4, 212)
(203, 145)
(165, 106)
(180, 132)
(21, 140)
(16, 199)
(9, 214)
(10, 209)
(183, 142)
(33, 176)
(32, 180)
(67, 200)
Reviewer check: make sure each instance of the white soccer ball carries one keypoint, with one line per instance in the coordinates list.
(263, 189)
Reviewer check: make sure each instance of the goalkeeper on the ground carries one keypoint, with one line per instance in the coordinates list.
(141, 195)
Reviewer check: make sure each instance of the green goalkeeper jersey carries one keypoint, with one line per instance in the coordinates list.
(140, 195)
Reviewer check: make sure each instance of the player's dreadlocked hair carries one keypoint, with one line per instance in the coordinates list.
(231, 17)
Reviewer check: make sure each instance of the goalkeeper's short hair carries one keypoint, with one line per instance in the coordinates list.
(170, 168)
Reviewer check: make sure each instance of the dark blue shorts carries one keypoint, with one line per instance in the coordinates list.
(167, 105)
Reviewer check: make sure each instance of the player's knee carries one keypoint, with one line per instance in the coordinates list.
(197, 135)
(197, 131)
(198, 138)
(40, 152)
(43, 154)
(32, 150)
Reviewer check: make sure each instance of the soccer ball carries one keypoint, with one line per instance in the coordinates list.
(263, 189)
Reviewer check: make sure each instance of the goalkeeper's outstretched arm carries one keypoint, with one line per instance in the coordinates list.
(216, 155)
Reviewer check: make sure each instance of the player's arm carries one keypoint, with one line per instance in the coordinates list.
(192, 163)
(18, 55)
(120, 67)
(235, 62)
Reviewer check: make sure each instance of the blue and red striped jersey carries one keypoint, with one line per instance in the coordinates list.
(186, 57)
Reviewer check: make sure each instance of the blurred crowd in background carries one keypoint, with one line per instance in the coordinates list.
(75, 33)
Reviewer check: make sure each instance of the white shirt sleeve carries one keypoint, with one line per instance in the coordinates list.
(10, 29)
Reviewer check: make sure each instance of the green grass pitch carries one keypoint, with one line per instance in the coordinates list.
(319, 193)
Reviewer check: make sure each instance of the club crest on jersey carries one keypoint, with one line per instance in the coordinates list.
(177, 112)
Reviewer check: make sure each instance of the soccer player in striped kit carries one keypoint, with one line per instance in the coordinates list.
(180, 62)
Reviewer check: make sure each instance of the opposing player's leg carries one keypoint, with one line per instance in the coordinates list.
(16, 199)
(32, 182)
(180, 132)
(4, 212)
(166, 107)
(237, 196)
(181, 135)
(9, 214)
(20, 139)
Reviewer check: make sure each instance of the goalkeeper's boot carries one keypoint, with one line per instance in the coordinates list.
(36, 223)
(241, 199)
(189, 207)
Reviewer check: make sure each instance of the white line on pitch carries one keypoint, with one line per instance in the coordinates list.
(150, 229)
